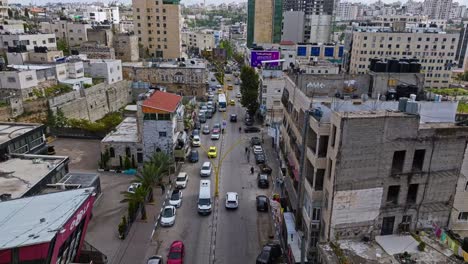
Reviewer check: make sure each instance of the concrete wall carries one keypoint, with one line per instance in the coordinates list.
(293, 23)
(18, 79)
(151, 139)
(331, 84)
(460, 205)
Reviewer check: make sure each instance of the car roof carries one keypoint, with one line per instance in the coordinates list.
(177, 244)
(169, 207)
(182, 174)
(196, 136)
(212, 148)
(231, 195)
(194, 151)
(206, 163)
(263, 176)
(262, 197)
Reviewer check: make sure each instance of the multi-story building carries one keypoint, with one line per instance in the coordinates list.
(461, 48)
(29, 41)
(272, 81)
(346, 11)
(108, 70)
(17, 138)
(4, 9)
(73, 33)
(292, 21)
(436, 51)
(264, 18)
(126, 47)
(197, 41)
(368, 168)
(437, 9)
(157, 25)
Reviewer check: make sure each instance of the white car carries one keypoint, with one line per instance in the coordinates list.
(176, 198)
(133, 187)
(181, 180)
(232, 200)
(257, 149)
(215, 135)
(205, 170)
(238, 95)
(196, 141)
(168, 216)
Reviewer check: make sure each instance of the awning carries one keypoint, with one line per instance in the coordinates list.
(296, 174)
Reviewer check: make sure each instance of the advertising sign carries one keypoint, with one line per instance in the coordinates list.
(257, 56)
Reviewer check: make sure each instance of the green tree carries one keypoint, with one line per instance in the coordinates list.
(60, 119)
(10, 13)
(249, 89)
(227, 45)
(239, 58)
(63, 46)
(162, 161)
(51, 121)
(138, 198)
(149, 176)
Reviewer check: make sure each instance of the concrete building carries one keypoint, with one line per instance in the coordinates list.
(13, 27)
(317, 67)
(16, 138)
(292, 21)
(20, 58)
(101, 35)
(108, 70)
(157, 25)
(4, 10)
(19, 82)
(183, 78)
(73, 33)
(28, 40)
(93, 50)
(461, 54)
(126, 26)
(346, 11)
(126, 47)
(326, 51)
(197, 41)
(436, 51)
(272, 81)
(264, 18)
(356, 185)
(161, 118)
(437, 9)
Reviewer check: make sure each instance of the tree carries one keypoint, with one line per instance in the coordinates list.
(63, 46)
(162, 161)
(249, 89)
(149, 176)
(51, 122)
(239, 58)
(60, 119)
(227, 45)
(137, 197)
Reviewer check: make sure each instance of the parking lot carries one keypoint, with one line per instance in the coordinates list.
(84, 153)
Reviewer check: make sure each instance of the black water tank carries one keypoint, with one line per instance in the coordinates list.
(415, 67)
(405, 59)
(393, 65)
(381, 66)
(404, 67)
(373, 61)
(414, 59)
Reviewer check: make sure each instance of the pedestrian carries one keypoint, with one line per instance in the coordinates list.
(246, 149)
(163, 188)
(251, 170)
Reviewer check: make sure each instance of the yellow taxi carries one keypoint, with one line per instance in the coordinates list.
(232, 102)
(228, 79)
(212, 152)
(220, 90)
(230, 87)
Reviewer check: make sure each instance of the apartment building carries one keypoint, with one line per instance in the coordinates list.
(346, 11)
(108, 70)
(436, 51)
(73, 33)
(264, 18)
(157, 25)
(198, 41)
(29, 41)
(272, 81)
(18, 83)
(370, 168)
(4, 9)
(437, 9)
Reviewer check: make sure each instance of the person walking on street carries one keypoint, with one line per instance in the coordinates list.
(251, 170)
(246, 149)
(163, 188)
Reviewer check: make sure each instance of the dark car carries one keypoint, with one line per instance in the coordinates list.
(251, 129)
(262, 203)
(255, 141)
(262, 181)
(233, 118)
(193, 156)
(195, 132)
(260, 158)
(249, 122)
(270, 253)
(197, 125)
(265, 169)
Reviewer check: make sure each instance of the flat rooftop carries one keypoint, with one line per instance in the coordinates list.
(9, 131)
(197, 64)
(37, 219)
(19, 175)
(125, 132)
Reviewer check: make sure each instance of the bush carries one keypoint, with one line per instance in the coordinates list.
(57, 90)
(105, 124)
(87, 85)
(421, 246)
(122, 227)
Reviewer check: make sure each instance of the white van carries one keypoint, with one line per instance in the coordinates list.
(204, 198)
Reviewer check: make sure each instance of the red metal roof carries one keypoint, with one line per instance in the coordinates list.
(163, 101)
(287, 42)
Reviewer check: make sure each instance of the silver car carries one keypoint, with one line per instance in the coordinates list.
(206, 129)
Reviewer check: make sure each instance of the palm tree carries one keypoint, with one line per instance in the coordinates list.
(149, 176)
(138, 197)
(162, 161)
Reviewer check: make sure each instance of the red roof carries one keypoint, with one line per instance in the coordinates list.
(287, 42)
(163, 101)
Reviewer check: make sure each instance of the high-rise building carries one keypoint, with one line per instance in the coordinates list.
(461, 48)
(157, 25)
(346, 11)
(264, 18)
(4, 9)
(437, 9)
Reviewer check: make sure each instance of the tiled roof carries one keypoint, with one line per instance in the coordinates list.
(163, 101)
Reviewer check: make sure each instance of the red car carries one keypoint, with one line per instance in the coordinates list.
(176, 253)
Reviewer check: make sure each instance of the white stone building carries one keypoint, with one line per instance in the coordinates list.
(28, 40)
(109, 70)
(73, 33)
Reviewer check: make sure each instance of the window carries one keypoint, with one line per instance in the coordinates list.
(11, 79)
(29, 77)
(412, 193)
(319, 175)
(398, 161)
(162, 134)
(392, 194)
(128, 153)
(333, 135)
(418, 159)
(316, 214)
(463, 216)
(323, 145)
(112, 152)
(140, 157)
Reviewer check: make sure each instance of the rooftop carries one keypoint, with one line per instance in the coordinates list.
(19, 175)
(162, 101)
(37, 219)
(125, 132)
(188, 63)
(9, 131)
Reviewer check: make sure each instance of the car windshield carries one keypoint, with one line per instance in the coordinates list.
(179, 179)
(231, 201)
(174, 255)
(204, 201)
(167, 212)
(263, 177)
(175, 196)
(205, 168)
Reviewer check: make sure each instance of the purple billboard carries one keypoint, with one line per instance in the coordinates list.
(257, 56)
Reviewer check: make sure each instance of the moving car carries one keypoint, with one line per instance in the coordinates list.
(262, 203)
(213, 79)
(212, 152)
(233, 118)
(204, 197)
(132, 188)
(262, 181)
(176, 198)
(238, 95)
(193, 156)
(215, 135)
(181, 180)
(205, 170)
(232, 200)
(265, 169)
(195, 132)
(230, 87)
(197, 125)
(176, 253)
(232, 102)
(260, 158)
(251, 129)
(217, 126)
(257, 149)
(220, 90)
(168, 216)
(255, 141)
(155, 260)
(270, 253)
(206, 129)
(196, 141)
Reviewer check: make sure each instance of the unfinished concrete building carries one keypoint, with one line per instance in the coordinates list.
(371, 168)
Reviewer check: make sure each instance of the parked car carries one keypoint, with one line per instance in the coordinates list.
(260, 158)
(213, 79)
(132, 188)
(196, 125)
(265, 168)
(168, 216)
(238, 95)
(249, 122)
(176, 253)
(233, 118)
(196, 141)
(205, 170)
(212, 152)
(215, 135)
(257, 149)
(269, 254)
(193, 156)
(262, 181)
(232, 200)
(251, 129)
(155, 260)
(176, 198)
(262, 203)
(255, 141)
(181, 180)
(195, 132)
